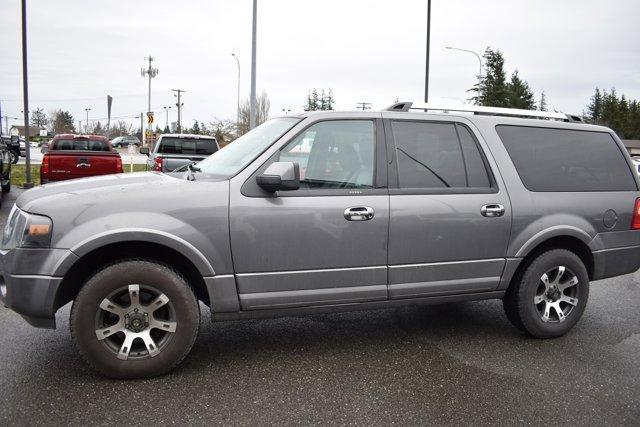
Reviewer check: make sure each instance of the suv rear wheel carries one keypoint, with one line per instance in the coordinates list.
(551, 295)
(135, 319)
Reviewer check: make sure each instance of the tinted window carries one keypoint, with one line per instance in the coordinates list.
(566, 160)
(334, 154)
(187, 146)
(436, 155)
(80, 145)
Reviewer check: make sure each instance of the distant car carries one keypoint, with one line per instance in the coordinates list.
(71, 156)
(14, 147)
(125, 141)
(5, 166)
(173, 151)
(636, 164)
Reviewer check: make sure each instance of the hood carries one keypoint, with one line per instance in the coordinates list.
(115, 192)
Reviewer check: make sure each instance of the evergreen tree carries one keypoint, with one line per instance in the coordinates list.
(519, 93)
(594, 109)
(315, 102)
(39, 118)
(617, 112)
(196, 128)
(492, 90)
(542, 104)
(63, 122)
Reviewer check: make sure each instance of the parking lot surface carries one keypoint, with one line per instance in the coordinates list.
(447, 364)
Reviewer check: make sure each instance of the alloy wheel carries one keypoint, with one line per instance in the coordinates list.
(135, 322)
(557, 294)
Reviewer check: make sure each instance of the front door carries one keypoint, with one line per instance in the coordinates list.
(450, 219)
(325, 243)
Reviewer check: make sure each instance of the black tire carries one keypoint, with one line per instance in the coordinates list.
(109, 280)
(6, 188)
(14, 156)
(520, 300)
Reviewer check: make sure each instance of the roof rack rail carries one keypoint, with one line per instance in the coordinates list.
(487, 111)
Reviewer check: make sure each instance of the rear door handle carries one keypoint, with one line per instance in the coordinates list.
(492, 210)
(359, 213)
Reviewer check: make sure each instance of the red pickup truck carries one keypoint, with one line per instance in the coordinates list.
(71, 156)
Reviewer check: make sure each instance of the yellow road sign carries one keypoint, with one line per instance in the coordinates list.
(150, 117)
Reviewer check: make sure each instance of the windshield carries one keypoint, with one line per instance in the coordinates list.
(234, 157)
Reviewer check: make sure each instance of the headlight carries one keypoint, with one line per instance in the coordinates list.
(25, 230)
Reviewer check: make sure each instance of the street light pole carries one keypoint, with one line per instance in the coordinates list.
(166, 111)
(238, 107)
(86, 124)
(252, 102)
(426, 75)
(25, 94)
(472, 52)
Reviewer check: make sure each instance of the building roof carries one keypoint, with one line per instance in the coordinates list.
(631, 143)
(33, 130)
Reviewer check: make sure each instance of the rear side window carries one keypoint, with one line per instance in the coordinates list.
(438, 155)
(80, 145)
(566, 160)
(187, 146)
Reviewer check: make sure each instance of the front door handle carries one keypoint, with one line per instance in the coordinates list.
(360, 213)
(492, 210)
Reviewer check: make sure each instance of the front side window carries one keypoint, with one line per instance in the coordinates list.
(566, 160)
(437, 155)
(334, 154)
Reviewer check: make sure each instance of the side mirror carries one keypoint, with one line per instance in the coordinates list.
(44, 148)
(15, 138)
(280, 176)
(144, 150)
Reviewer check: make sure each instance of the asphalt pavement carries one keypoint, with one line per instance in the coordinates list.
(447, 364)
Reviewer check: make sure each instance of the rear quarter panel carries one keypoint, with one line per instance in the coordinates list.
(539, 216)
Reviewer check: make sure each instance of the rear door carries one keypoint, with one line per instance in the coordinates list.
(450, 214)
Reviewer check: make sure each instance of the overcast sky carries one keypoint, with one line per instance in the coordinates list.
(365, 50)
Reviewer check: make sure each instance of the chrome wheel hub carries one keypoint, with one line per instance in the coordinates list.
(557, 294)
(135, 322)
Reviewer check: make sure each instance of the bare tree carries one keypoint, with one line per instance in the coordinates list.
(262, 112)
(223, 130)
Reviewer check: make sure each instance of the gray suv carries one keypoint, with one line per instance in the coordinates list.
(325, 212)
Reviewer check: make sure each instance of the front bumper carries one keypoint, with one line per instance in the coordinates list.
(29, 282)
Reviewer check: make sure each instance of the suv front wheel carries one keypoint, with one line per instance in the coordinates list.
(135, 319)
(550, 296)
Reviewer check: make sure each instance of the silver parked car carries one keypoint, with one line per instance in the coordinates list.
(330, 211)
(125, 141)
(175, 151)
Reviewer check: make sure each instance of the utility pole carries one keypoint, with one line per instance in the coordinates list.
(238, 107)
(426, 75)
(150, 73)
(364, 106)
(141, 126)
(252, 102)
(86, 124)
(179, 105)
(25, 90)
(166, 112)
